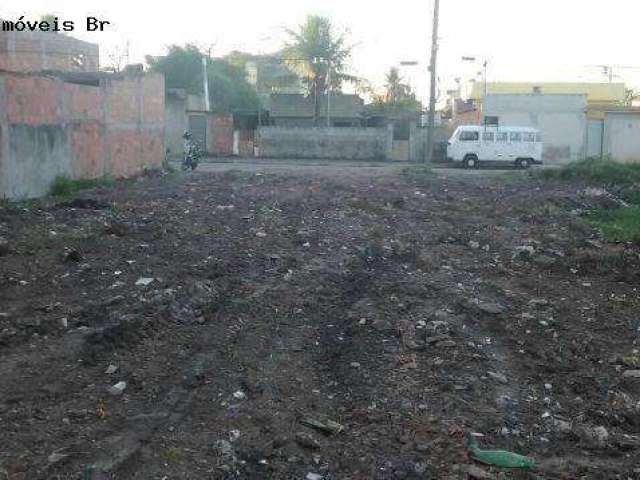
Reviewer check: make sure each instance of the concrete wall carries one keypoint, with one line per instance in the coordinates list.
(561, 118)
(37, 51)
(329, 143)
(622, 136)
(176, 122)
(418, 142)
(49, 127)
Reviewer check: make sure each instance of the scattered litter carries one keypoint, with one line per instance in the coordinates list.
(328, 426)
(498, 458)
(239, 395)
(56, 457)
(117, 389)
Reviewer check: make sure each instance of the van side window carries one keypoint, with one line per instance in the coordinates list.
(466, 136)
(528, 137)
(515, 137)
(487, 137)
(502, 137)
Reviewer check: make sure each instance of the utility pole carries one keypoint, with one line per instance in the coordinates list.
(205, 85)
(328, 94)
(432, 69)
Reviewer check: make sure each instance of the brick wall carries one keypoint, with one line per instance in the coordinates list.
(49, 127)
(37, 51)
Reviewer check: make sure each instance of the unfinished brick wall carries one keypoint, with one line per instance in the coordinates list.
(37, 51)
(49, 127)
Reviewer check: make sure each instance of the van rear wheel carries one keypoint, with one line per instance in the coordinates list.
(523, 163)
(471, 161)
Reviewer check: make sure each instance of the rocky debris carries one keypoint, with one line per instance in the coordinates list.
(307, 441)
(111, 369)
(499, 377)
(84, 204)
(144, 281)
(116, 228)
(477, 305)
(595, 435)
(604, 198)
(477, 473)
(73, 255)
(474, 245)
(117, 389)
(525, 252)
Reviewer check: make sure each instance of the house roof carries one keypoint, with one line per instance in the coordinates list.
(297, 105)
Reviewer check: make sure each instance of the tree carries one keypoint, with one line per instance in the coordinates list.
(228, 87)
(397, 94)
(318, 54)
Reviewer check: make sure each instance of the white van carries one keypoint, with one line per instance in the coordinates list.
(519, 146)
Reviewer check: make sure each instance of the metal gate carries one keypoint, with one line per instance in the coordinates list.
(594, 138)
(198, 128)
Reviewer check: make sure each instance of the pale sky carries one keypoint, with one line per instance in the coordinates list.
(524, 40)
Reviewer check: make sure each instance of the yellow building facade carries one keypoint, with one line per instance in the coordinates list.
(600, 96)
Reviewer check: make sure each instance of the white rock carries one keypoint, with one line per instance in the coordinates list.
(239, 395)
(118, 388)
(111, 369)
(144, 281)
(313, 476)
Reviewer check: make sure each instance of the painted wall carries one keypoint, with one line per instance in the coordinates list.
(622, 136)
(561, 119)
(49, 127)
(326, 143)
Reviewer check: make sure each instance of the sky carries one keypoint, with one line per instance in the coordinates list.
(553, 40)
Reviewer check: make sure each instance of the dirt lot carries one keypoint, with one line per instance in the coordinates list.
(411, 309)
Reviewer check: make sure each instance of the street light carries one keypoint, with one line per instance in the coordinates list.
(485, 63)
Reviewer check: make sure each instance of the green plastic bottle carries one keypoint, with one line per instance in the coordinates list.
(498, 458)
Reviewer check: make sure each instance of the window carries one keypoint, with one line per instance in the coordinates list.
(515, 137)
(502, 137)
(467, 136)
(487, 136)
(528, 137)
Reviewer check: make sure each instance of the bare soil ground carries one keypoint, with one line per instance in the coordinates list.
(410, 309)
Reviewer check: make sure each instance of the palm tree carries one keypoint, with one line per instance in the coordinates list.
(318, 55)
(398, 94)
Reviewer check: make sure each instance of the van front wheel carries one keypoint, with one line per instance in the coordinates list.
(471, 161)
(523, 163)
